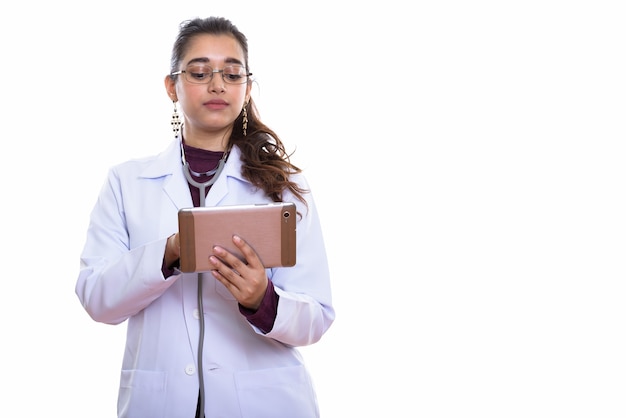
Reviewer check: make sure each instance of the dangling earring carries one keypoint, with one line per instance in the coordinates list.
(175, 121)
(245, 120)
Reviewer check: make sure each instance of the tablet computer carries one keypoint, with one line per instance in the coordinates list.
(269, 228)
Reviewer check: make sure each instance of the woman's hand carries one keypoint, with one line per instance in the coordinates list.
(172, 250)
(247, 280)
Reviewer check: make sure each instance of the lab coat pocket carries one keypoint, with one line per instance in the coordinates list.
(142, 394)
(276, 393)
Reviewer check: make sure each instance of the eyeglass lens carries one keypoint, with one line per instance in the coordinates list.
(202, 73)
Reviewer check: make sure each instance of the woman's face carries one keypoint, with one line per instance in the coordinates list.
(210, 108)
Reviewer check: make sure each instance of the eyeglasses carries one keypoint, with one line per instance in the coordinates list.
(203, 74)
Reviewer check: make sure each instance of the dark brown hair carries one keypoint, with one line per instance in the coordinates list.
(266, 163)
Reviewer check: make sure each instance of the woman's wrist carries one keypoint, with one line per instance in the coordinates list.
(172, 250)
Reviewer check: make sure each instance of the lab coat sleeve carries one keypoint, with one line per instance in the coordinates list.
(115, 281)
(305, 310)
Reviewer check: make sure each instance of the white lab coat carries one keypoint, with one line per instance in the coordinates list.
(246, 373)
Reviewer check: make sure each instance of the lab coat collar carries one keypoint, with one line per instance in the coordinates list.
(232, 170)
(169, 163)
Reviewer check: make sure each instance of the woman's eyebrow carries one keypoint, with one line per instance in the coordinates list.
(195, 60)
(233, 61)
(205, 60)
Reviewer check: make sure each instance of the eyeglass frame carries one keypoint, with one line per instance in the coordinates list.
(215, 70)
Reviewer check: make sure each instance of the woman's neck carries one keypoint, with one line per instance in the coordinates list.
(210, 141)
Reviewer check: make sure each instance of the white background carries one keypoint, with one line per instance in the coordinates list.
(467, 159)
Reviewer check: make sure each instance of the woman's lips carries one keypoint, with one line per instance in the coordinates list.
(216, 104)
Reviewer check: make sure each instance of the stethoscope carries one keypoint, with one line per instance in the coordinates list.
(202, 187)
(189, 173)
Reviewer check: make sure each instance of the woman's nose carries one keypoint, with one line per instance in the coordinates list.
(217, 82)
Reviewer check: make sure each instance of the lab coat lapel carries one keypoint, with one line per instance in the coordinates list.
(168, 164)
(232, 169)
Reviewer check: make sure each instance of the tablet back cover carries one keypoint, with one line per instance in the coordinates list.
(270, 229)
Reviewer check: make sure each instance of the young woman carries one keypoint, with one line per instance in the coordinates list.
(221, 343)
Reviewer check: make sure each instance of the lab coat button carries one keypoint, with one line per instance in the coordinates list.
(196, 313)
(190, 369)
